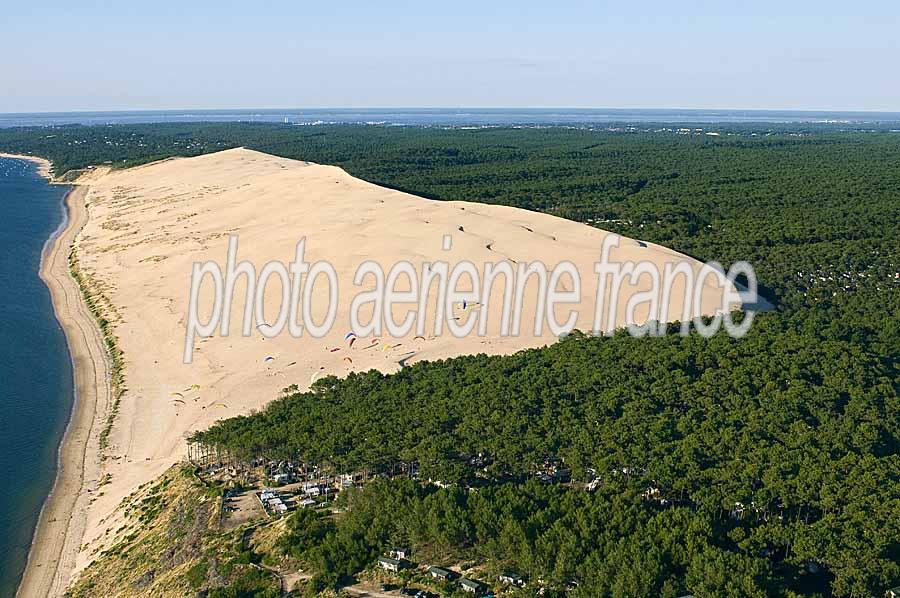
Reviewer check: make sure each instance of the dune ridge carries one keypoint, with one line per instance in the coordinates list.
(146, 226)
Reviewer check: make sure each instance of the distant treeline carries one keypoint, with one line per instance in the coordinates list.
(777, 455)
(816, 213)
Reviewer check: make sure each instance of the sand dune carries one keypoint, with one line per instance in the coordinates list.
(147, 226)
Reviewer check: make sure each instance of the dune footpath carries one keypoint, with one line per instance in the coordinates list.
(138, 232)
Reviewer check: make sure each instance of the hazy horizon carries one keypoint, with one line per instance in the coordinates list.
(456, 117)
(804, 56)
(452, 107)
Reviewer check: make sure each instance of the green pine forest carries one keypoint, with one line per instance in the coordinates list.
(764, 466)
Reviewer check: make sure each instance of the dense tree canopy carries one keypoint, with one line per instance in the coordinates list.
(781, 442)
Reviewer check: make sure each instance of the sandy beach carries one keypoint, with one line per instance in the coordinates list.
(57, 538)
(138, 233)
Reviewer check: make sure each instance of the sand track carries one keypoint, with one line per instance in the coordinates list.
(61, 527)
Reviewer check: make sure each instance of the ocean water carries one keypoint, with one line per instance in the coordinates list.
(35, 371)
(449, 116)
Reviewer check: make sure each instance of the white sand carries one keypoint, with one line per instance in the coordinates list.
(147, 225)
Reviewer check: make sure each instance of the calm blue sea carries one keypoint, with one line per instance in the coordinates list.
(449, 116)
(35, 371)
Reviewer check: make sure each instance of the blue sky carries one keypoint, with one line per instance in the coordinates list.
(197, 54)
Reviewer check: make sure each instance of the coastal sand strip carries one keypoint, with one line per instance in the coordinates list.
(61, 526)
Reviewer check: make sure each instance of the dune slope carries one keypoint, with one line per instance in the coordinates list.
(148, 225)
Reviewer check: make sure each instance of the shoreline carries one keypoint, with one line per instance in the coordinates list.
(44, 166)
(58, 535)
